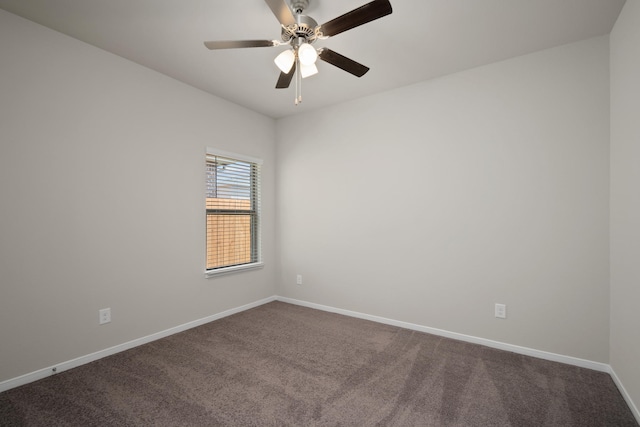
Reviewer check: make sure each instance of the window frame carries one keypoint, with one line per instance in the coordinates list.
(256, 228)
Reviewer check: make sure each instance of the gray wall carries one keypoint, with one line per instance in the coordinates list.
(625, 201)
(102, 194)
(430, 203)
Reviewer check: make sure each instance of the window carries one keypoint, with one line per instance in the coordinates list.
(233, 212)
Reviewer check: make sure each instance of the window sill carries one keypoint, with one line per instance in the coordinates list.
(230, 270)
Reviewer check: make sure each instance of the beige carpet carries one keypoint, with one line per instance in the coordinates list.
(284, 365)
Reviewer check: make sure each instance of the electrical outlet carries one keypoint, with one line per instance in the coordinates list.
(104, 315)
(299, 279)
(501, 311)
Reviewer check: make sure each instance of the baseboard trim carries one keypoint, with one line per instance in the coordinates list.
(597, 366)
(64, 366)
(569, 360)
(61, 367)
(625, 395)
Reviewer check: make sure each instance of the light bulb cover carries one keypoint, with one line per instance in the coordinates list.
(285, 60)
(308, 70)
(307, 54)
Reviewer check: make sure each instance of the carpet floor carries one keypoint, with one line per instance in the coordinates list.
(284, 365)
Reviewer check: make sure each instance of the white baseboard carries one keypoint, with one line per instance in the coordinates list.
(61, 367)
(623, 391)
(569, 360)
(602, 367)
(43, 373)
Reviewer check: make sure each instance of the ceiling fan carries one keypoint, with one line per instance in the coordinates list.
(300, 31)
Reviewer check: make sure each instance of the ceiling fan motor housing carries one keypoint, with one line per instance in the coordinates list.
(305, 27)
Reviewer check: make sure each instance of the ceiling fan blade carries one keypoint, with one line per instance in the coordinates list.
(340, 61)
(285, 78)
(281, 10)
(233, 44)
(367, 13)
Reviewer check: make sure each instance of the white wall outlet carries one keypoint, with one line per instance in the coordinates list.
(104, 315)
(501, 311)
(299, 279)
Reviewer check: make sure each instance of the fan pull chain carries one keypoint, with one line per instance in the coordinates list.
(298, 99)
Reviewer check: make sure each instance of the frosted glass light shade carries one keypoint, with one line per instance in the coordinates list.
(307, 70)
(307, 54)
(285, 60)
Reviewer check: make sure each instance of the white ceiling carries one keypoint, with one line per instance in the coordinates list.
(420, 40)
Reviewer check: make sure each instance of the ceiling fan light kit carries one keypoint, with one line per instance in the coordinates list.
(307, 54)
(308, 70)
(285, 60)
(300, 31)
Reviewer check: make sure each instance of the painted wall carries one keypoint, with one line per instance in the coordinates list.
(625, 198)
(102, 199)
(430, 203)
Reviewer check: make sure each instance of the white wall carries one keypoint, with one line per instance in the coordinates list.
(102, 199)
(625, 200)
(430, 203)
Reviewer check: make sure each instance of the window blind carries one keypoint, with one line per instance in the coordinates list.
(233, 211)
